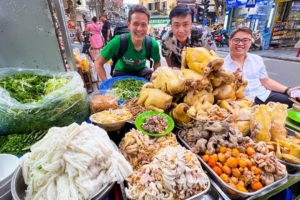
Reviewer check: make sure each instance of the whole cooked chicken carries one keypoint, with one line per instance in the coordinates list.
(154, 99)
(202, 60)
(168, 80)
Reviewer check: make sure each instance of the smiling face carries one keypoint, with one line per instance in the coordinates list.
(138, 26)
(240, 43)
(181, 27)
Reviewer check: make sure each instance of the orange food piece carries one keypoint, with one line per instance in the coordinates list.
(222, 149)
(256, 185)
(232, 185)
(236, 172)
(250, 151)
(234, 180)
(249, 163)
(205, 158)
(241, 183)
(232, 162)
(211, 162)
(214, 156)
(218, 170)
(221, 157)
(241, 169)
(242, 163)
(255, 170)
(226, 169)
(235, 152)
(219, 164)
(241, 188)
(224, 177)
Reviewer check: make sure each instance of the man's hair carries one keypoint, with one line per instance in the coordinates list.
(138, 8)
(94, 19)
(181, 10)
(103, 15)
(241, 29)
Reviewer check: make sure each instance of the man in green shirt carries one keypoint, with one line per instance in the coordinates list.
(133, 62)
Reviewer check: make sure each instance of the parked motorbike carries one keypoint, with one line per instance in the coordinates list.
(221, 38)
(257, 42)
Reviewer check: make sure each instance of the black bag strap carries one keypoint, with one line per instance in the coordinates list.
(149, 49)
(122, 49)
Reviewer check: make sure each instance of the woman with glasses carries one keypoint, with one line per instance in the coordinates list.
(261, 88)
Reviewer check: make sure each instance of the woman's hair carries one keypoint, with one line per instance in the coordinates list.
(181, 10)
(241, 29)
(94, 19)
(140, 9)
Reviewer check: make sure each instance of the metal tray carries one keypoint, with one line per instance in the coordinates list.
(18, 187)
(200, 195)
(232, 192)
(291, 167)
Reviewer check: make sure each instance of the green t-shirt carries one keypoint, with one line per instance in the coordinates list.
(132, 60)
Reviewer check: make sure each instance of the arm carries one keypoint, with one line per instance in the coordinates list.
(156, 65)
(99, 65)
(108, 34)
(273, 85)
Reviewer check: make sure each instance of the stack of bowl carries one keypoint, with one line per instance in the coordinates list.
(9, 163)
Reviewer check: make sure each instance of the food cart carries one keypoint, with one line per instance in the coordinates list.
(125, 143)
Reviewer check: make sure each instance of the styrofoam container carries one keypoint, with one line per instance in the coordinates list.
(9, 163)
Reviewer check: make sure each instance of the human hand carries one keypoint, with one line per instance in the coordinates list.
(294, 92)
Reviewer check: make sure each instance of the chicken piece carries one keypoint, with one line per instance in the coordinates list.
(194, 81)
(260, 123)
(242, 126)
(290, 158)
(224, 92)
(290, 148)
(202, 60)
(168, 80)
(179, 114)
(198, 96)
(154, 99)
(278, 114)
(221, 77)
(239, 85)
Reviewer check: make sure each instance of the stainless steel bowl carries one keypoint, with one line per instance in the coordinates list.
(18, 187)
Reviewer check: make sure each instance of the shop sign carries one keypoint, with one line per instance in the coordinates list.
(250, 3)
(159, 21)
(235, 3)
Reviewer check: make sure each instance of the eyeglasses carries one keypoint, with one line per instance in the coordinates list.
(243, 40)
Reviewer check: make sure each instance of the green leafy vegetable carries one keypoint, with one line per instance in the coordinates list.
(61, 100)
(25, 88)
(19, 144)
(128, 88)
(54, 84)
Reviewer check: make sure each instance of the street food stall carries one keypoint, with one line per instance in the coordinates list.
(187, 134)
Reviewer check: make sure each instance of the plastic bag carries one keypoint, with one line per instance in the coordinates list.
(63, 106)
(102, 102)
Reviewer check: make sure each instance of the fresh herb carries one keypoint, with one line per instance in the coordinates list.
(29, 88)
(25, 88)
(128, 88)
(19, 144)
(61, 100)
